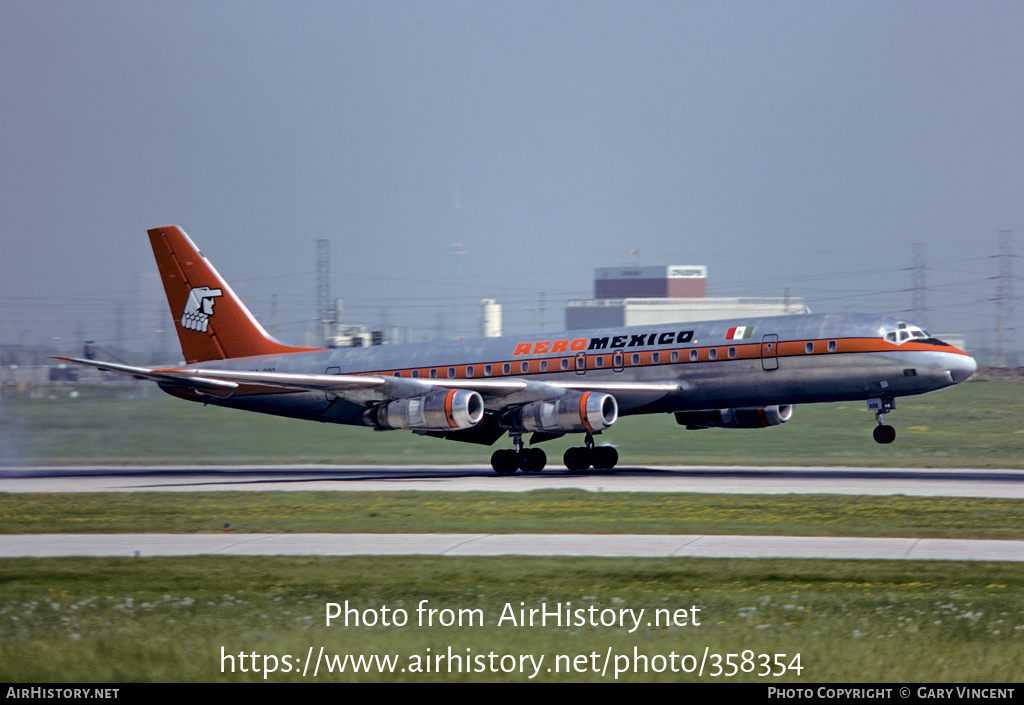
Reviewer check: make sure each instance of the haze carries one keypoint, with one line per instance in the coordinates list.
(789, 146)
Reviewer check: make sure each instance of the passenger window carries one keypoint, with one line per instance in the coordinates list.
(809, 348)
(451, 373)
(525, 367)
(732, 352)
(469, 371)
(713, 354)
(433, 373)
(543, 365)
(693, 355)
(656, 358)
(506, 368)
(488, 370)
(831, 346)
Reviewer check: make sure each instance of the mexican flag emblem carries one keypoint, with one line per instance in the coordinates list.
(739, 333)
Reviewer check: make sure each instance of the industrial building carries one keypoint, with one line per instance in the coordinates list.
(632, 296)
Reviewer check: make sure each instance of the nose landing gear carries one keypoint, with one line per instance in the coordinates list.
(882, 406)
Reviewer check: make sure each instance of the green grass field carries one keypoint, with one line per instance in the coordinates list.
(977, 424)
(168, 619)
(539, 511)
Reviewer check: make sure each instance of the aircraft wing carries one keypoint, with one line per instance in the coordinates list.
(229, 381)
(498, 393)
(155, 375)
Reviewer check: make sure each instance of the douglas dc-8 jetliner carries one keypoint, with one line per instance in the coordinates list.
(744, 373)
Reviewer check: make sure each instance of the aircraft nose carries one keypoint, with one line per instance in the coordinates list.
(960, 367)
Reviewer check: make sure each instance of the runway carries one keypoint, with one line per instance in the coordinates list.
(745, 480)
(471, 478)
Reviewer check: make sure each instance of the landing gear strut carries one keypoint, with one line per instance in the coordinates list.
(882, 433)
(506, 461)
(601, 457)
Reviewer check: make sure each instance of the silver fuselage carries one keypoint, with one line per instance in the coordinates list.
(782, 360)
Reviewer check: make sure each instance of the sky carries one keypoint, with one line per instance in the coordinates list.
(800, 147)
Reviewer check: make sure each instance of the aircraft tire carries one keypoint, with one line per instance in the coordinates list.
(577, 459)
(605, 457)
(532, 460)
(504, 461)
(884, 434)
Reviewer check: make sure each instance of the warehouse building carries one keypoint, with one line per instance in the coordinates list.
(632, 296)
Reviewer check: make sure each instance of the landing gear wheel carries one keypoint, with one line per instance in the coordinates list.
(884, 434)
(605, 457)
(504, 461)
(577, 459)
(531, 459)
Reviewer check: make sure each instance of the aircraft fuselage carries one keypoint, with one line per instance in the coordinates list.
(796, 359)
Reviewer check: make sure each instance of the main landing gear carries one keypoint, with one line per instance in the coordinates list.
(601, 457)
(506, 461)
(882, 433)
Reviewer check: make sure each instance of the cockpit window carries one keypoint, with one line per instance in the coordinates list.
(905, 332)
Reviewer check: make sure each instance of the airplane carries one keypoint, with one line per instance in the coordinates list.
(743, 373)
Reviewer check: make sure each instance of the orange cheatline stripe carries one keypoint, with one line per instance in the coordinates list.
(747, 351)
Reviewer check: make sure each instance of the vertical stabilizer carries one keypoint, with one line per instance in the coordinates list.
(212, 323)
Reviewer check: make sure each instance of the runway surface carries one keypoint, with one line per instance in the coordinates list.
(730, 480)
(746, 480)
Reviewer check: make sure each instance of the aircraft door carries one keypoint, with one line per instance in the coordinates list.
(770, 352)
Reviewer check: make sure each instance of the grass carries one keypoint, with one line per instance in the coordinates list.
(168, 619)
(976, 424)
(540, 511)
(164, 620)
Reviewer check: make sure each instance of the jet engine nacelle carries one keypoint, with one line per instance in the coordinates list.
(759, 417)
(445, 410)
(587, 411)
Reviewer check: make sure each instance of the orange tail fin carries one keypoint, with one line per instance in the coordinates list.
(212, 322)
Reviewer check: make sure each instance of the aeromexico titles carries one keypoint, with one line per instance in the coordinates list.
(735, 374)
